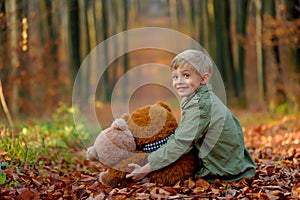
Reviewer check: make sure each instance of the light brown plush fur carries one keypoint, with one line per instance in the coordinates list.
(149, 124)
(112, 145)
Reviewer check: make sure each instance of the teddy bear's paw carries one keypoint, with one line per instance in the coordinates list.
(106, 180)
(103, 178)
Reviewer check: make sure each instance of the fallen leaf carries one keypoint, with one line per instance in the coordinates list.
(203, 184)
(271, 196)
(170, 190)
(142, 196)
(159, 193)
(296, 191)
(38, 183)
(27, 194)
(191, 184)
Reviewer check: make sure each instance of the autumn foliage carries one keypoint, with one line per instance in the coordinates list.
(62, 172)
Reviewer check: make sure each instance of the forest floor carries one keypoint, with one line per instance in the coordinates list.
(44, 161)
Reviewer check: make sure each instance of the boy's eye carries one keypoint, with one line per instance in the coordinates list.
(175, 76)
(186, 75)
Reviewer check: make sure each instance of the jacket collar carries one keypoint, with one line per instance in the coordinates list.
(200, 90)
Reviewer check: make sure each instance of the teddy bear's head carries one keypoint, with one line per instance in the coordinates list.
(151, 125)
(112, 144)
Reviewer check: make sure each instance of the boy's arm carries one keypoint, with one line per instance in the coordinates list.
(194, 123)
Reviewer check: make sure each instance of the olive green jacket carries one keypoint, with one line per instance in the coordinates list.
(209, 126)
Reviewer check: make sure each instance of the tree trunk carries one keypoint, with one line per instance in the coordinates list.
(190, 10)
(117, 8)
(105, 28)
(224, 54)
(93, 23)
(73, 39)
(126, 57)
(293, 15)
(4, 46)
(84, 49)
(259, 58)
(4, 106)
(50, 39)
(203, 27)
(280, 49)
(36, 66)
(211, 29)
(11, 8)
(238, 32)
(174, 14)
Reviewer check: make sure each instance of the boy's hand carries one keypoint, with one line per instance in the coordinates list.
(139, 172)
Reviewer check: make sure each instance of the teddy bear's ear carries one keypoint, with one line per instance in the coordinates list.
(126, 117)
(165, 105)
(119, 124)
(91, 154)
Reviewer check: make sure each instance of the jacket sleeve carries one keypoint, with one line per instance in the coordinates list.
(194, 123)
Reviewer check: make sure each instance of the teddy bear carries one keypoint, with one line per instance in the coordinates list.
(117, 138)
(151, 127)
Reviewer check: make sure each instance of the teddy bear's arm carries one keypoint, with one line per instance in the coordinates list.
(117, 173)
(183, 168)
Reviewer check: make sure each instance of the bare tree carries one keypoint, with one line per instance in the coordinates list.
(4, 106)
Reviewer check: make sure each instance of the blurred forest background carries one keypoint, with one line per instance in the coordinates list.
(254, 43)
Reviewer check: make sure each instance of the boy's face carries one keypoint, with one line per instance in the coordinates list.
(186, 81)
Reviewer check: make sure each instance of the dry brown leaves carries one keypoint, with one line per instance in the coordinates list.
(275, 148)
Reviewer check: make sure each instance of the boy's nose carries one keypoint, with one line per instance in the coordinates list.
(180, 80)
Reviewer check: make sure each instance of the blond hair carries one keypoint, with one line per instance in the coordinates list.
(197, 60)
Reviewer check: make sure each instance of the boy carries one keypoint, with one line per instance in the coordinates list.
(206, 124)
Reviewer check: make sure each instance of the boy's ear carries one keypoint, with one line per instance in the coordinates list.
(205, 78)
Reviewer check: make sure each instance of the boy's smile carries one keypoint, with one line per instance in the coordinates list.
(185, 81)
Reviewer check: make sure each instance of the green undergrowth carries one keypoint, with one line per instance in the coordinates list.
(53, 142)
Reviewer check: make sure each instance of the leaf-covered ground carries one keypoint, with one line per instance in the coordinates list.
(274, 146)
